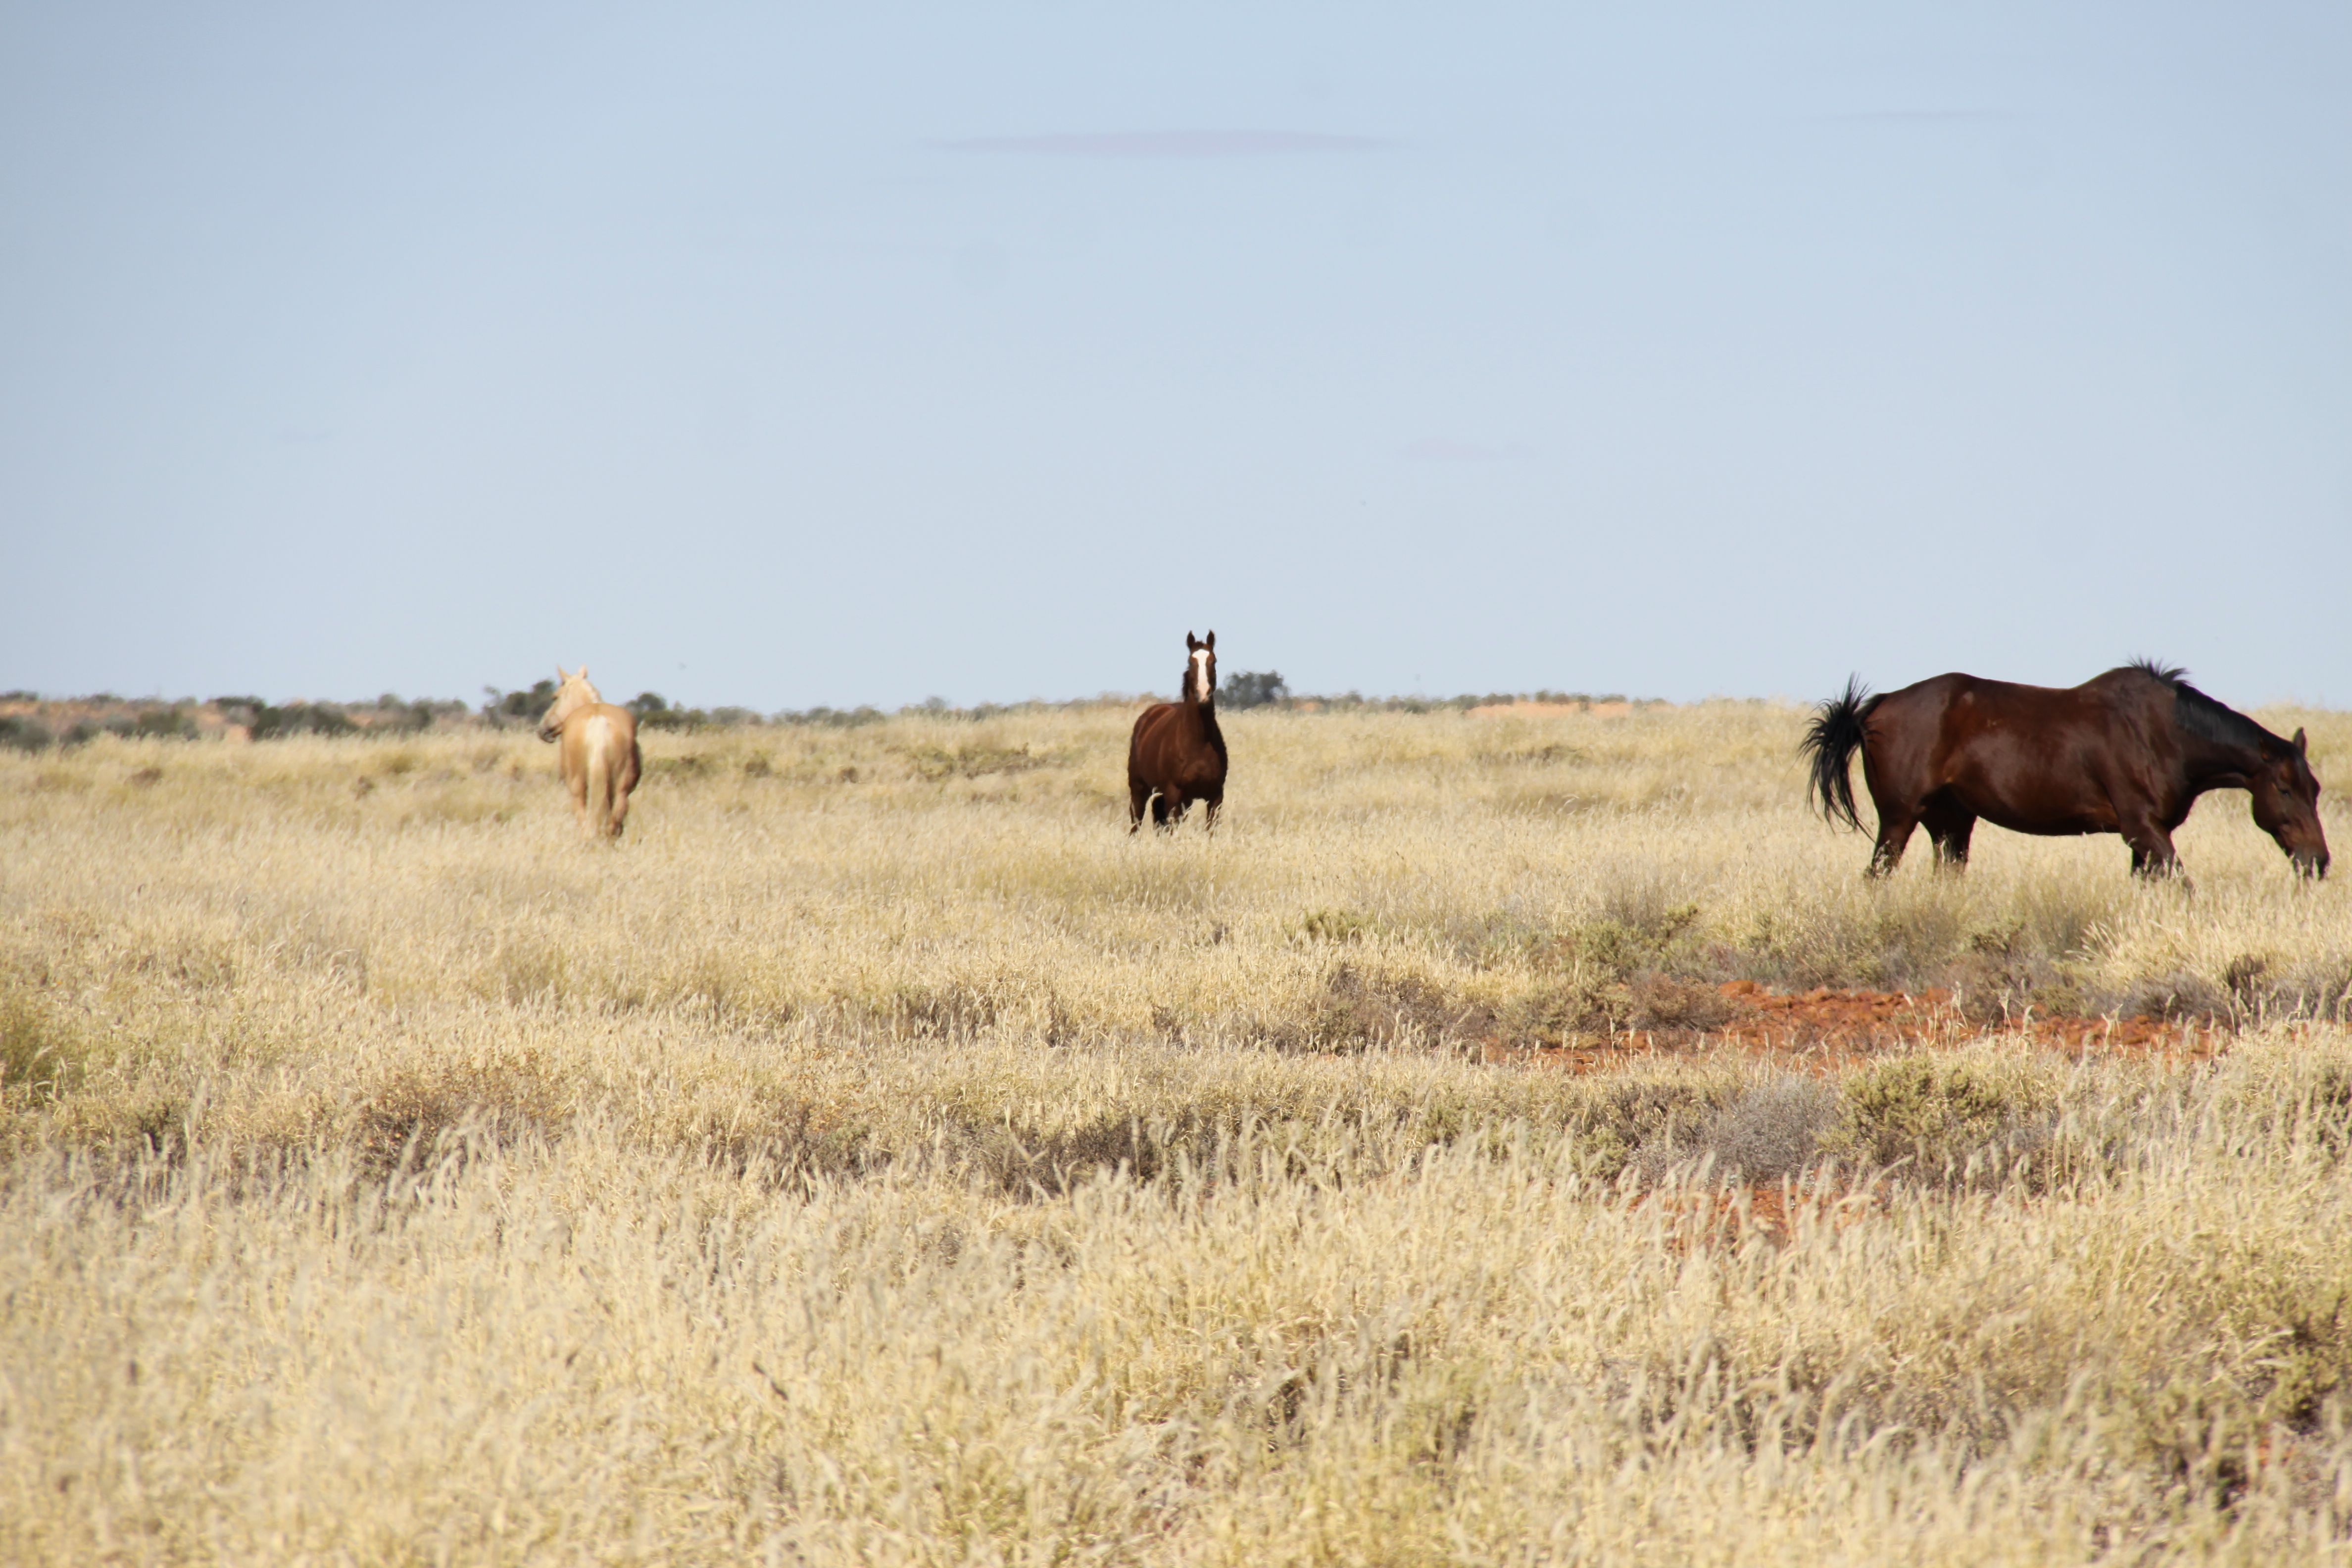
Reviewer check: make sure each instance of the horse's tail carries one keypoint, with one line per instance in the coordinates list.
(1830, 741)
(600, 762)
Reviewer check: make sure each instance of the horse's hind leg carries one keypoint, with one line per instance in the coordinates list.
(1138, 791)
(1211, 806)
(1894, 834)
(630, 767)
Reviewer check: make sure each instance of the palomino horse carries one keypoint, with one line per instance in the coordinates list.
(2128, 752)
(599, 752)
(1177, 754)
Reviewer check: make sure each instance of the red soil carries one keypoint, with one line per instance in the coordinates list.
(1878, 1019)
(1828, 1028)
(1772, 1211)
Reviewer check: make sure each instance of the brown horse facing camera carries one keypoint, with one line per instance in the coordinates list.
(599, 755)
(1177, 753)
(2127, 753)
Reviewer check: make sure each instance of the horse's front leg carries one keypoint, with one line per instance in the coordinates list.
(2152, 853)
(1950, 829)
(1211, 806)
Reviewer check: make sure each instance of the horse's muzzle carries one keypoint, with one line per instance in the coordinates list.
(549, 734)
(2312, 866)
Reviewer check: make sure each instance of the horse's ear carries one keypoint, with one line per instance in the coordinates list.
(2302, 746)
(559, 677)
(1191, 642)
(1211, 643)
(584, 672)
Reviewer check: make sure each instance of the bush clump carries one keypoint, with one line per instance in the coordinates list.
(517, 709)
(1942, 1114)
(1252, 689)
(39, 1055)
(654, 711)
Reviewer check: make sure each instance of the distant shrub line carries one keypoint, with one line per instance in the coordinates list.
(29, 722)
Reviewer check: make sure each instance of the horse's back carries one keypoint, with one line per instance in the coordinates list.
(618, 726)
(1960, 706)
(2033, 759)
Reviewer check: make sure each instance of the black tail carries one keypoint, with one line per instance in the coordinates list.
(1830, 741)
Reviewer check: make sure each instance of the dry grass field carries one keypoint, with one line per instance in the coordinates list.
(881, 1157)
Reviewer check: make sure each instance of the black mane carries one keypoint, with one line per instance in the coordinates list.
(2204, 717)
(2172, 675)
(1211, 729)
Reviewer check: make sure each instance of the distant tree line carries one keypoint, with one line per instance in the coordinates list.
(29, 722)
(1267, 689)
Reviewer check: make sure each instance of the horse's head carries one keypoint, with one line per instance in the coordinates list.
(1201, 671)
(571, 691)
(2286, 803)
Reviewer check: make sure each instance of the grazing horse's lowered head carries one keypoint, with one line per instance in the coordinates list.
(2286, 803)
(599, 756)
(1177, 752)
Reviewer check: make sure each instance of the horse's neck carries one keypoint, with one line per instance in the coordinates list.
(1202, 718)
(2218, 765)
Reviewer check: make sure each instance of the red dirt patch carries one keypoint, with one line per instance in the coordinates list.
(1830, 1029)
(1772, 1210)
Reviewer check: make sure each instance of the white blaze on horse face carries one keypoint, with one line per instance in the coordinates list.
(1197, 678)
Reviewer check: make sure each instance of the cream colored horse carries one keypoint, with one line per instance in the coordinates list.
(599, 752)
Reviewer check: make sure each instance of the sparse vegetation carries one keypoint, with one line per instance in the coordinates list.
(882, 1156)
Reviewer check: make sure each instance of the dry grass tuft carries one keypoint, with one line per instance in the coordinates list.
(882, 1157)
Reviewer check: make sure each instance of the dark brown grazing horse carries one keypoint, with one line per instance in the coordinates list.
(2127, 753)
(1177, 754)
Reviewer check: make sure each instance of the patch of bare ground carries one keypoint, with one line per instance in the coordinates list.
(1775, 1212)
(1824, 1029)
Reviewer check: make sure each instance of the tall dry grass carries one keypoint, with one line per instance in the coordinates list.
(880, 1156)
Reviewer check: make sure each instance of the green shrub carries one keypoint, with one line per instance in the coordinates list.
(1252, 689)
(1942, 1113)
(38, 1054)
(518, 709)
(1337, 925)
(830, 718)
(174, 723)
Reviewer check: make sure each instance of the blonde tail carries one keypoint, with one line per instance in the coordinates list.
(600, 777)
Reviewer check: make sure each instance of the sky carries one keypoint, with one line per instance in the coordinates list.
(784, 355)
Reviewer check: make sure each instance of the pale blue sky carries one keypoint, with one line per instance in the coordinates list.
(785, 355)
